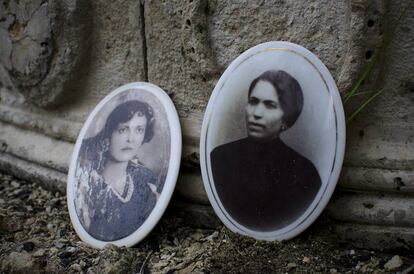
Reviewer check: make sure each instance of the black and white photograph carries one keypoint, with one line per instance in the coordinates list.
(123, 164)
(272, 141)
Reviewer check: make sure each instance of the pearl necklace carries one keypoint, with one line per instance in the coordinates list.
(130, 186)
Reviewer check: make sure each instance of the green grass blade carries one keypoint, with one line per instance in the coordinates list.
(362, 77)
(361, 107)
(363, 92)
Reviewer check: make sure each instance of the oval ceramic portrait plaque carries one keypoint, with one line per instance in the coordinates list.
(272, 141)
(124, 166)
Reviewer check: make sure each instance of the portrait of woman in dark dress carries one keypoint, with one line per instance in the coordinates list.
(115, 191)
(262, 183)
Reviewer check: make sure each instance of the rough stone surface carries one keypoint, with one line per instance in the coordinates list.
(27, 59)
(382, 136)
(35, 147)
(168, 64)
(372, 208)
(380, 143)
(38, 28)
(59, 58)
(47, 46)
(6, 48)
(191, 43)
(377, 179)
(94, 51)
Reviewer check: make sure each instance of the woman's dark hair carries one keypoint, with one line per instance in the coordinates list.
(124, 112)
(94, 150)
(288, 90)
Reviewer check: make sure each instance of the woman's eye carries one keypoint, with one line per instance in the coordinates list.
(271, 105)
(121, 130)
(253, 101)
(140, 130)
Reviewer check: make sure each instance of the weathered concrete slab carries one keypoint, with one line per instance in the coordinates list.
(373, 209)
(33, 172)
(35, 147)
(377, 179)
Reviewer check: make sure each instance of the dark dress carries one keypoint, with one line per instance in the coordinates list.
(263, 186)
(113, 219)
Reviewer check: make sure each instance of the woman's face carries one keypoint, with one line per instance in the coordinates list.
(263, 112)
(127, 139)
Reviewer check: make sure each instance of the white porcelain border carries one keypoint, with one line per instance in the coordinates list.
(170, 181)
(328, 188)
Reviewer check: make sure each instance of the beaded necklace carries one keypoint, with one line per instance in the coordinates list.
(130, 185)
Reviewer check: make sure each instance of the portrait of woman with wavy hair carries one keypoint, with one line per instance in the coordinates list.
(116, 192)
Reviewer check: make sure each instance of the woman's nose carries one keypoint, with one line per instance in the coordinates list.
(258, 111)
(129, 137)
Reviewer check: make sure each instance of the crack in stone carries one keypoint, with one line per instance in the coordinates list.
(144, 39)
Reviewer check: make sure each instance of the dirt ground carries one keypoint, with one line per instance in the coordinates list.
(36, 235)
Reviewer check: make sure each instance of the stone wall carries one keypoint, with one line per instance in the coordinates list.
(59, 58)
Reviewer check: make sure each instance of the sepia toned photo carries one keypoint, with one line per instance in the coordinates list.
(259, 175)
(272, 142)
(122, 165)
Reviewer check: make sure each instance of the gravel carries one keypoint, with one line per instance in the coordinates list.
(36, 235)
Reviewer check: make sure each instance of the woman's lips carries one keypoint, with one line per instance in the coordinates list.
(126, 149)
(255, 126)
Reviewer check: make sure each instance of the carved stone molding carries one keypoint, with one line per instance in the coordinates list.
(42, 46)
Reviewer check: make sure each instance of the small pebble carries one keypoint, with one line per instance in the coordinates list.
(53, 250)
(291, 266)
(164, 256)
(352, 252)
(15, 184)
(30, 221)
(160, 264)
(76, 267)
(59, 245)
(17, 192)
(333, 271)
(212, 236)
(394, 263)
(39, 253)
(306, 260)
(197, 236)
(110, 247)
(71, 249)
